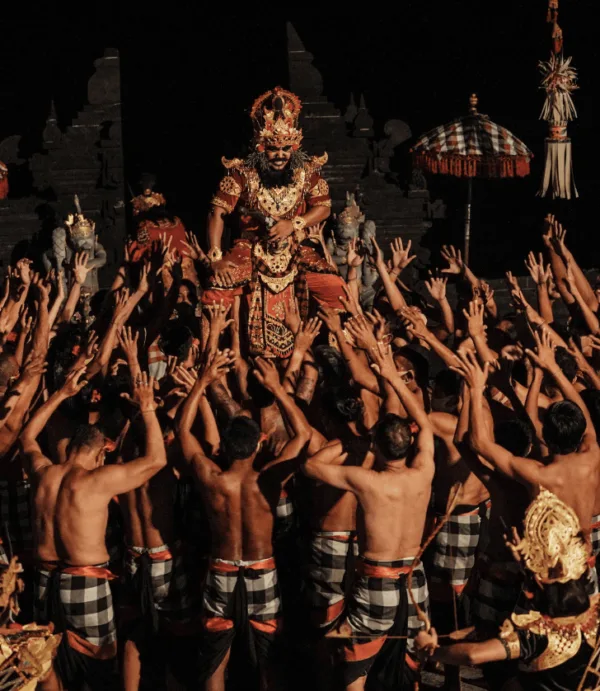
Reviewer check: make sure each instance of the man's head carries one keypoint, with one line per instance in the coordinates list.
(342, 403)
(514, 435)
(240, 439)
(567, 363)
(88, 441)
(563, 427)
(393, 437)
(177, 340)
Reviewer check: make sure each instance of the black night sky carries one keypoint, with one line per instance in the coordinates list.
(189, 74)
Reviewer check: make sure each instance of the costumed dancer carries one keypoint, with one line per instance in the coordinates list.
(277, 194)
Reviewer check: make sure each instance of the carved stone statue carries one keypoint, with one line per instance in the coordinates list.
(350, 225)
(77, 234)
(367, 273)
(346, 229)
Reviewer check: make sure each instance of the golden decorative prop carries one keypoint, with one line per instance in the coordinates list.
(553, 547)
(564, 634)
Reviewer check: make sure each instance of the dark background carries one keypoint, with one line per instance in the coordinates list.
(190, 74)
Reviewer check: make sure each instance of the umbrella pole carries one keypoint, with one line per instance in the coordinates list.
(468, 221)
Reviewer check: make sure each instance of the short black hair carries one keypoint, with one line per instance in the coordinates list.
(563, 427)
(240, 438)
(176, 339)
(9, 369)
(591, 398)
(343, 403)
(87, 436)
(566, 362)
(393, 437)
(332, 367)
(514, 435)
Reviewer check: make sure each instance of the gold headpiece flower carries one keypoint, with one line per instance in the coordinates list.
(274, 117)
(143, 202)
(553, 547)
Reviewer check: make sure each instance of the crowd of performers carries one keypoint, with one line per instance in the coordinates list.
(224, 473)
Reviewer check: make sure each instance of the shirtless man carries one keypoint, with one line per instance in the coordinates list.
(70, 516)
(241, 496)
(572, 471)
(393, 500)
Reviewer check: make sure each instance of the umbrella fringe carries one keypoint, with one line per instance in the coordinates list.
(473, 166)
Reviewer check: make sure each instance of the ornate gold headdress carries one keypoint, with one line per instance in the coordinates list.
(351, 212)
(275, 119)
(83, 227)
(553, 547)
(143, 202)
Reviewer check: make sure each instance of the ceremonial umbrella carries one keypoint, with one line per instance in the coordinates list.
(472, 146)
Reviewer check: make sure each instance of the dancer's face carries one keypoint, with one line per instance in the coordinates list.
(278, 156)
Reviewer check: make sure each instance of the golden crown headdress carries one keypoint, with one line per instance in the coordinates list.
(553, 547)
(82, 228)
(143, 202)
(275, 117)
(352, 212)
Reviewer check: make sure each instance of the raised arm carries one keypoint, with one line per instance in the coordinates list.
(544, 358)
(415, 325)
(29, 445)
(267, 375)
(327, 466)
(437, 289)
(521, 469)
(392, 291)
(302, 344)
(191, 447)
(119, 479)
(383, 364)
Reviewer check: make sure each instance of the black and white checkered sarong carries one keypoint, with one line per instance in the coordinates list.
(376, 597)
(261, 584)
(86, 601)
(498, 585)
(327, 573)
(455, 548)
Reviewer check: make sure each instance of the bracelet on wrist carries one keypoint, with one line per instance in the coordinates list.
(214, 254)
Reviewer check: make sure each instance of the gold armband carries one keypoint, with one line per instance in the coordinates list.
(299, 225)
(214, 254)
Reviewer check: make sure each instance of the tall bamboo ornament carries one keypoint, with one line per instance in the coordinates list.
(559, 80)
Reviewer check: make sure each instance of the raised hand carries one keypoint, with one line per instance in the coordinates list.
(74, 382)
(414, 321)
(193, 249)
(361, 331)
(23, 270)
(186, 378)
(331, 318)
(544, 350)
(383, 362)
(26, 321)
(401, 255)
(219, 365)
(349, 302)
(80, 269)
(43, 288)
(474, 319)
(128, 340)
(487, 292)
(307, 333)
(548, 229)
(143, 393)
(292, 315)
(559, 235)
(144, 284)
(218, 312)
(437, 288)
(377, 255)
(536, 269)
(380, 325)
(470, 371)
(454, 259)
(267, 374)
(354, 259)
